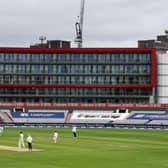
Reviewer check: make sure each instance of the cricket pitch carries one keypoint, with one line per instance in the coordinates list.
(11, 148)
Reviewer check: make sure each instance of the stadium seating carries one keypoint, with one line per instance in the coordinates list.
(5, 116)
(85, 116)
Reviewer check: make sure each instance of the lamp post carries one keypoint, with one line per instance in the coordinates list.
(42, 39)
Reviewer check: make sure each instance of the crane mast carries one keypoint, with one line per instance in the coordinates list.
(79, 26)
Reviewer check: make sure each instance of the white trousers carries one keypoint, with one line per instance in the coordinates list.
(21, 143)
(55, 139)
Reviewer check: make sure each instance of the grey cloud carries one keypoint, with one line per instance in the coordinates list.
(106, 23)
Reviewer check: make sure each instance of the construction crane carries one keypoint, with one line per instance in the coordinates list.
(79, 26)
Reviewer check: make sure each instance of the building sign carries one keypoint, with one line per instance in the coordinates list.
(118, 105)
(93, 115)
(58, 115)
(149, 116)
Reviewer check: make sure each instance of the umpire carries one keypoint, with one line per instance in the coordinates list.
(29, 142)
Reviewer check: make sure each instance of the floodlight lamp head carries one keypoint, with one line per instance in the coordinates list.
(166, 32)
(42, 38)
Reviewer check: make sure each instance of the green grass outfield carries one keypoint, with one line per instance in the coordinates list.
(94, 148)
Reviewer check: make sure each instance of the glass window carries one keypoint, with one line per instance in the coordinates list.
(49, 68)
(101, 57)
(126, 57)
(100, 79)
(112, 57)
(135, 68)
(68, 57)
(107, 79)
(148, 58)
(122, 57)
(115, 69)
(35, 68)
(55, 79)
(67, 79)
(145, 58)
(41, 57)
(7, 68)
(2, 67)
(107, 69)
(60, 79)
(87, 69)
(130, 57)
(135, 80)
(116, 57)
(76, 57)
(108, 57)
(94, 57)
(113, 80)
(80, 69)
(121, 68)
(128, 68)
(49, 57)
(25, 57)
(135, 57)
(1, 57)
(35, 58)
(144, 68)
(55, 57)
(48, 79)
(9, 57)
(99, 69)
(22, 68)
(94, 68)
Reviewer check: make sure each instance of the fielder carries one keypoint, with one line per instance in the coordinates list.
(1, 130)
(21, 140)
(74, 131)
(55, 136)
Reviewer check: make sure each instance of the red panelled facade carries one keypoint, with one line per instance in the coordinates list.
(73, 75)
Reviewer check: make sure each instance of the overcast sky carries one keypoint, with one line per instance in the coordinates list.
(107, 23)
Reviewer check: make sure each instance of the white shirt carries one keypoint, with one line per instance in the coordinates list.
(29, 139)
(21, 136)
(74, 129)
(1, 129)
(55, 134)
